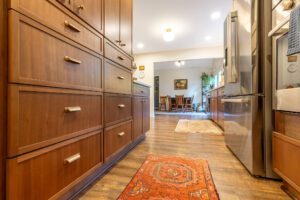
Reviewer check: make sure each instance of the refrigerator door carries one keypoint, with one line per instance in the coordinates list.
(238, 71)
(243, 131)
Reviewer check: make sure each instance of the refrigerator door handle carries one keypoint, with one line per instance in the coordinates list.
(235, 100)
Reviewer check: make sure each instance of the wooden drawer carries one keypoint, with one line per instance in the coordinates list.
(39, 56)
(90, 11)
(114, 54)
(116, 78)
(117, 108)
(116, 138)
(49, 14)
(288, 124)
(286, 154)
(49, 172)
(45, 116)
(140, 90)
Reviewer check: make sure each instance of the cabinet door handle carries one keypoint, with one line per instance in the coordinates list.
(123, 45)
(72, 60)
(73, 109)
(142, 91)
(81, 7)
(121, 134)
(121, 58)
(72, 159)
(121, 106)
(288, 4)
(118, 41)
(121, 77)
(71, 26)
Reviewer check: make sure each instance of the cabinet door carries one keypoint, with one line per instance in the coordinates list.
(146, 115)
(112, 20)
(126, 26)
(137, 117)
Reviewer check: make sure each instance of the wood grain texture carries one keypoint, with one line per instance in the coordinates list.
(112, 20)
(232, 180)
(137, 112)
(126, 25)
(51, 171)
(39, 113)
(40, 10)
(37, 56)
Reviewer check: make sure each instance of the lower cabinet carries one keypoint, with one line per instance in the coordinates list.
(217, 106)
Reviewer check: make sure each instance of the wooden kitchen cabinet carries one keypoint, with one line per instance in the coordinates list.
(217, 106)
(118, 14)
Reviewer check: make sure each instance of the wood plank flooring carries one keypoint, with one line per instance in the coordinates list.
(232, 181)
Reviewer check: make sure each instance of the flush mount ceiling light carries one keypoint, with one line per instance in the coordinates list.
(169, 35)
(140, 45)
(215, 15)
(179, 63)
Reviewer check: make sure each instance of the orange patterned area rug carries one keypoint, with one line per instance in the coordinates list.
(171, 178)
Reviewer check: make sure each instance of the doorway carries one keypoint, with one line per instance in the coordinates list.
(156, 92)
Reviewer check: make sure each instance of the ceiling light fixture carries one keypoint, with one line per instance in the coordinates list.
(169, 35)
(215, 15)
(140, 45)
(179, 63)
(207, 38)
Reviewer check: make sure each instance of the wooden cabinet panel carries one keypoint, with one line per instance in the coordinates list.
(116, 138)
(90, 11)
(146, 115)
(116, 78)
(112, 20)
(288, 124)
(126, 26)
(45, 116)
(39, 56)
(116, 55)
(140, 90)
(137, 117)
(117, 108)
(43, 174)
(41, 10)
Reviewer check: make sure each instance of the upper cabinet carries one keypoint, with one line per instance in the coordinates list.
(118, 23)
(91, 11)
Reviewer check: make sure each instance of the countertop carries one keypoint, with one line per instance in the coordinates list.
(219, 87)
(140, 83)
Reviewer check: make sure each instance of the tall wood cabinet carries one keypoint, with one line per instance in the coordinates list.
(68, 94)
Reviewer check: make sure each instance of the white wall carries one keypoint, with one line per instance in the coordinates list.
(148, 61)
(167, 77)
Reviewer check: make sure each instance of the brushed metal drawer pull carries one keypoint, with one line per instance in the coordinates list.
(288, 4)
(121, 77)
(121, 106)
(118, 41)
(72, 26)
(123, 45)
(72, 60)
(73, 109)
(121, 58)
(121, 134)
(72, 159)
(81, 7)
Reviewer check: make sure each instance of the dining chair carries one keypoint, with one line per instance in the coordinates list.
(163, 103)
(188, 106)
(179, 102)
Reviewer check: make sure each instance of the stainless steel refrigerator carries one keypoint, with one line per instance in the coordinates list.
(247, 101)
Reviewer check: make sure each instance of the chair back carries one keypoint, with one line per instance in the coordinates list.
(163, 99)
(179, 99)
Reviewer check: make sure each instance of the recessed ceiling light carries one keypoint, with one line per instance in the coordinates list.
(169, 35)
(140, 45)
(207, 38)
(215, 15)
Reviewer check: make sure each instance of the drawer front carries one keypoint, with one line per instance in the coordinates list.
(116, 139)
(43, 174)
(49, 14)
(47, 116)
(114, 54)
(116, 78)
(140, 90)
(117, 108)
(286, 154)
(40, 56)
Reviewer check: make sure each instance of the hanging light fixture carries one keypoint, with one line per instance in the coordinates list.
(179, 63)
(169, 35)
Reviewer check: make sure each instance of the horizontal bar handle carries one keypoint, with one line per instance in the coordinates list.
(121, 134)
(71, 26)
(121, 58)
(121, 106)
(123, 45)
(72, 159)
(73, 109)
(234, 100)
(279, 28)
(121, 77)
(72, 60)
(118, 41)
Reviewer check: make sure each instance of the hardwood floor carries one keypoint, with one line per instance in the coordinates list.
(232, 181)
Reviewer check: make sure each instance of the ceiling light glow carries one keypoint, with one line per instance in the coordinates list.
(179, 63)
(208, 37)
(169, 35)
(215, 15)
(140, 45)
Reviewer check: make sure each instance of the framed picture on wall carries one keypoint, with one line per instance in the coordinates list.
(180, 84)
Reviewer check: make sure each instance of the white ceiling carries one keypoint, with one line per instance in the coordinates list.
(189, 64)
(189, 19)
